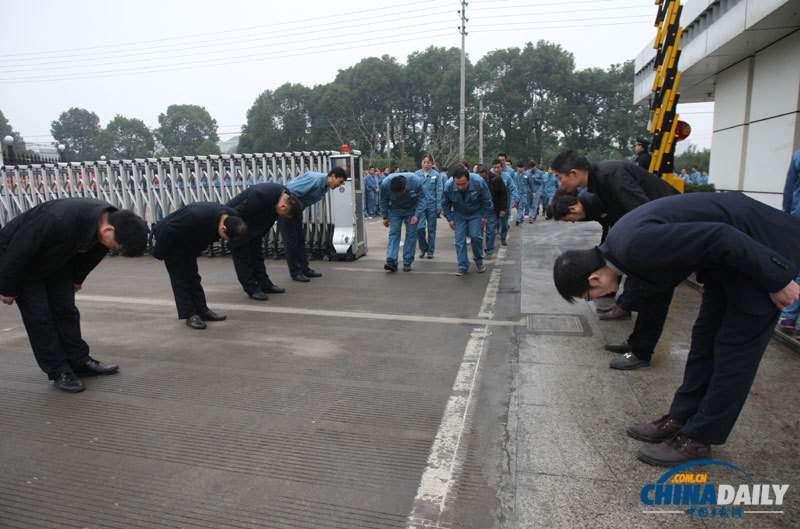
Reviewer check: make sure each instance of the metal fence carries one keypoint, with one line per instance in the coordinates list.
(155, 187)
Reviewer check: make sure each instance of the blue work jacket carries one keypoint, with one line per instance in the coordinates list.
(791, 191)
(308, 187)
(476, 201)
(433, 184)
(508, 179)
(412, 202)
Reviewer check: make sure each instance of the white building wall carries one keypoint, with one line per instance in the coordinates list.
(756, 121)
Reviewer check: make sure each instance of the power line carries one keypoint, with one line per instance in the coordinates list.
(405, 7)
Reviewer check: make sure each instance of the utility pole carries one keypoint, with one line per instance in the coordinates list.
(480, 130)
(463, 30)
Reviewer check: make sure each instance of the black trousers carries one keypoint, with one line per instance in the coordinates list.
(248, 261)
(653, 307)
(185, 280)
(53, 323)
(629, 299)
(727, 346)
(294, 242)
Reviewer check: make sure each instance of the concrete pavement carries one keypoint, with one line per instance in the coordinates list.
(364, 400)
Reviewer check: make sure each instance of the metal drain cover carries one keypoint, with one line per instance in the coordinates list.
(566, 324)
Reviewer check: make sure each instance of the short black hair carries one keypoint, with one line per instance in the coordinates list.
(295, 207)
(338, 172)
(130, 231)
(520, 164)
(499, 154)
(460, 172)
(561, 206)
(532, 164)
(572, 269)
(497, 161)
(397, 184)
(566, 161)
(482, 169)
(234, 227)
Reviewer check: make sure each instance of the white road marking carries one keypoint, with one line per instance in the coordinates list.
(308, 312)
(444, 459)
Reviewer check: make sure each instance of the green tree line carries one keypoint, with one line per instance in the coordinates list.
(535, 103)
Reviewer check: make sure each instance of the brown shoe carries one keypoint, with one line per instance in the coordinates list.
(616, 314)
(675, 451)
(656, 431)
(601, 310)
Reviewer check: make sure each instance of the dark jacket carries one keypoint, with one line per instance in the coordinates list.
(623, 186)
(191, 228)
(38, 242)
(256, 205)
(643, 160)
(499, 193)
(752, 248)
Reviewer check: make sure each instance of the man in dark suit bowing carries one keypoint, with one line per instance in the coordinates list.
(622, 187)
(180, 238)
(45, 255)
(259, 206)
(747, 255)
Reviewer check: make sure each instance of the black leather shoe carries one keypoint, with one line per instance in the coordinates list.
(93, 367)
(312, 273)
(674, 451)
(657, 431)
(628, 361)
(272, 289)
(195, 322)
(623, 347)
(390, 266)
(212, 316)
(69, 382)
(259, 296)
(301, 277)
(406, 268)
(422, 254)
(617, 313)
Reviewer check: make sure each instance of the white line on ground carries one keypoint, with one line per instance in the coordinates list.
(308, 312)
(414, 269)
(444, 458)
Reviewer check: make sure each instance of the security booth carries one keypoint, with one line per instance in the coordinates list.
(349, 238)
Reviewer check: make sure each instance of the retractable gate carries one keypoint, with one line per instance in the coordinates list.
(155, 187)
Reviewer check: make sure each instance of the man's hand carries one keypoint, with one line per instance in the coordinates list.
(786, 296)
(386, 222)
(414, 220)
(513, 205)
(76, 287)
(8, 300)
(501, 214)
(438, 211)
(483, 222)
(452, 225)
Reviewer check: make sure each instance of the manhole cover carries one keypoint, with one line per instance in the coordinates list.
(558, 324)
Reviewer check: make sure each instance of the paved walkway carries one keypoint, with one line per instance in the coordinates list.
(363, 400)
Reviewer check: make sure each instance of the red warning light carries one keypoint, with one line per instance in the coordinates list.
(345, 148)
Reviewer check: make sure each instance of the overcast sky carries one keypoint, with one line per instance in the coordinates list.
(137, 58)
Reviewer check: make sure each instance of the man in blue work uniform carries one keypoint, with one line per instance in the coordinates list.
(791, 205)
(432, 182)
(403, 201)
(180, 238)
(467, 204)
(259, 205)
(536, 189)
(370, 192)
(507, 174)
(695, 177)
(747, 255)
(525, 188)
(309, 187)
(549, 186)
